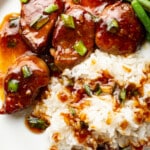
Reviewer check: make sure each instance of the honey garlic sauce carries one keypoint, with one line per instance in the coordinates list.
(11, 45)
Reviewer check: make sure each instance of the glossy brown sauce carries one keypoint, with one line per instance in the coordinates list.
(32, 129)
(9, 53)
(81, 130)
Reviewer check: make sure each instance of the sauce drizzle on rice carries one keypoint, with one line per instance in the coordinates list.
(106, 119)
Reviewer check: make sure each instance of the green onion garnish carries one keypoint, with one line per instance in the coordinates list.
(135, 93)
(13, 85)
(88, 90)
(38, 123)
(51, 8)
(97, 91)
(80, 48)
(39, 22)
(76, 1)
(122, 95)
(35, 20)
(83, 125)
(13, 22)
(24, 1)
(68, 21)
(26, 71)
(113, 26)
(72, 111)
(11, 43)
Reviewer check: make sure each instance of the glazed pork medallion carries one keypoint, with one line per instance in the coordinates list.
(84, 69)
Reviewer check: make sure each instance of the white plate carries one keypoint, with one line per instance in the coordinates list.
(14, 135)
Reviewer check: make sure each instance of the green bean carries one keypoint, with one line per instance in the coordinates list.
(148, 36)
(142, 15)
(145, 4)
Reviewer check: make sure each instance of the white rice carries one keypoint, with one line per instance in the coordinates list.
(116, 127)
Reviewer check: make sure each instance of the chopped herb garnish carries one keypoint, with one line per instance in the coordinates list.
(11, 43)
(13, 22)
(26, 71)
(113, 26)
(72, 111)
(13, 85)
(122, 95)
(83, 125)
(38, 123)
(35, 20)
(125, 148)
(24, 1)
(51, 8)
(67, 81)
(95, 18)
(39, 22)
(135, 93)
(68, 21)
(53, 67)
(80, 48)
(87, 90)
(76, 1)
(97, 90)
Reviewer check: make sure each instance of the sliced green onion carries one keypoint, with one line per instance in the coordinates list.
(95, 18)
(80, 48)
(97, 90)
(26, 71)
(13, 85)
(39, 22)
(53, 67)
(126, 148)
(67, 81)
(38, 123)
(113, 26)
(122, 95)
(13, 22)
(51, 8)
(11, 43)
(83, 125)
(72, 111)
(68, 21)
(135, 93)
(145, 4)
(142, 15)
(76, 1)
(24, 1)
(35, 20)
(88, 90)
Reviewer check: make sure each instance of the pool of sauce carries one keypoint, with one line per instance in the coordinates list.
(11, 45)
